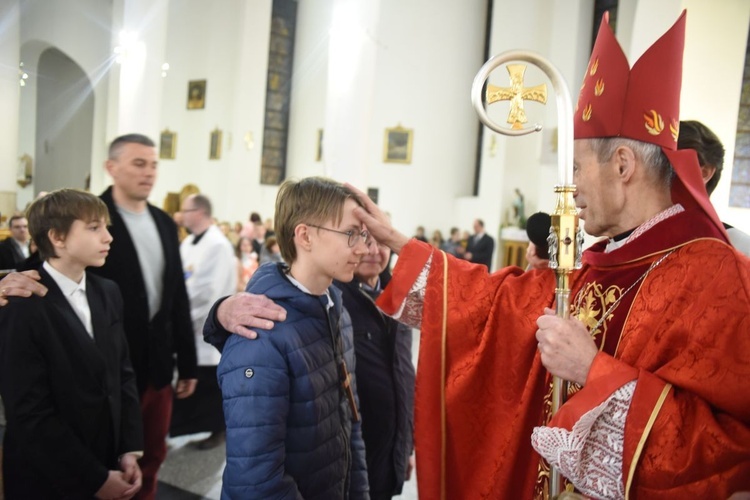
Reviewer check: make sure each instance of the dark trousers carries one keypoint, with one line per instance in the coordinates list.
(201, 412)
(156, 410)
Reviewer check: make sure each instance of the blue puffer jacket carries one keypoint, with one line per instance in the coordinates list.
(290, 433)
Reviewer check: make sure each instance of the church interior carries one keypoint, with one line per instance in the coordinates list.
(239, 95)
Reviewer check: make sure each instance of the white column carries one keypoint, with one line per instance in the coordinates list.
(352, 54)
(136, 85)
(9, 103)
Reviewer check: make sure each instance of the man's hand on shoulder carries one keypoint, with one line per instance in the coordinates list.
(21, 285)
(244, 311)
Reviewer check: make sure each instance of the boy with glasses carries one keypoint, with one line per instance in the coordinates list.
(289, 401)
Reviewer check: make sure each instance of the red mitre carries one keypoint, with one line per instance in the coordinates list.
(642, 103)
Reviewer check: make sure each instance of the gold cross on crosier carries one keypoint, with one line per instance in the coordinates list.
(516, 94)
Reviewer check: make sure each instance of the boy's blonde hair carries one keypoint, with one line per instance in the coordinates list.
(312, 200)
(56, 211)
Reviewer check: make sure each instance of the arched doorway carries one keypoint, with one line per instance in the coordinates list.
(64, 123)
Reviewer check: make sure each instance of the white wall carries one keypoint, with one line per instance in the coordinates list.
(9, 104)
(80, 29)
(424, 67)
(423, 72)
(233, 60)
(309, 87)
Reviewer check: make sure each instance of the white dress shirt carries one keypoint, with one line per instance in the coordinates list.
(75, 294)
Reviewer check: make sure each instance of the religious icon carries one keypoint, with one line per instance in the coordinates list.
(167, 144)
(215, 145)
(196, 94)
(398, 145)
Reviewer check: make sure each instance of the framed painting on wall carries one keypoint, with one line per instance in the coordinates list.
(196, 94)
(167, 144)
(398, 145)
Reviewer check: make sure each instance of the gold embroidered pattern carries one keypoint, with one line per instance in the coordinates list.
(587, 113)
(599, 88)
(594, 67)
(653, 122)
(591, 301)
(674, 128)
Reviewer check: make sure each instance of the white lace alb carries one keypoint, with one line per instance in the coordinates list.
(590, 456)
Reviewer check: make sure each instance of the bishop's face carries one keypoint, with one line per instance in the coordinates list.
(598, 195)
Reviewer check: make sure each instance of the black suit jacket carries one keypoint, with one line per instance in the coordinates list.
(10, 255)
(481, 250)
(153, 343)
(71, 401)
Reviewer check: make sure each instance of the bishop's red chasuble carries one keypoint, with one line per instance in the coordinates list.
(680, 331)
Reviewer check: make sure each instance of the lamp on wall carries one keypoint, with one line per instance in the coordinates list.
(24, 173)
(22, 75)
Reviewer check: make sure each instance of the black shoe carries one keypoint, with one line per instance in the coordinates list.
(212, 441)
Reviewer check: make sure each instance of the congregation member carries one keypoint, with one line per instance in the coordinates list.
(385, 376)
(695, 135)
(145, 262)
(71, 404)
(14, 250)
(210, 273)
(247, 262)
(480, 246)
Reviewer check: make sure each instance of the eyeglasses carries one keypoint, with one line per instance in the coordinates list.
(353, 235)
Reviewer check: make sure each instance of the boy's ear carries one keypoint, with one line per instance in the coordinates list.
(302, 237)
(58, 240)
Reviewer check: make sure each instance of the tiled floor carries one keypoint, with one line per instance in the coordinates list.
(192, 474)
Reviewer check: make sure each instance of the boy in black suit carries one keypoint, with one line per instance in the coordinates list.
(71, 402)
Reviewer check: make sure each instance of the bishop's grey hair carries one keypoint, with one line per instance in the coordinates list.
(650, 155)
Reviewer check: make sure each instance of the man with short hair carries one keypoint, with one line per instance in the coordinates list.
(145, 262)
(480, 247)
(385, 376)
(15, 249)
(210, 273)
(453, 243)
